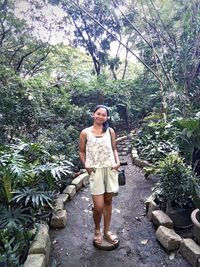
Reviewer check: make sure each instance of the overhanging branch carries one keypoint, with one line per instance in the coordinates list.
(115, 37)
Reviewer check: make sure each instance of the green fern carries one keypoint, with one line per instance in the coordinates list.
(12, 217)
(32, 197)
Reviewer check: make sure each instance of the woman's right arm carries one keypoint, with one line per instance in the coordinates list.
(82, 149)
(82, 146)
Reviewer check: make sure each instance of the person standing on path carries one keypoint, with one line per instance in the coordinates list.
(98, 153)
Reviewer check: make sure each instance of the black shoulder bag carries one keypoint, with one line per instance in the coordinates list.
(121, 177)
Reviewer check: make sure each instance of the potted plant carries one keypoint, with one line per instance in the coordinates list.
(175, 189)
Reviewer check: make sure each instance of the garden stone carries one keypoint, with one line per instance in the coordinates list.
(78, 182)
(123, 161)
(126, 149)
(35, 260)
(148, 200)
(59, 204)
(41, 243)
(123, 153)
(152, 206)
(141, 163)
(70, 190)
(63, 197)
(134, 154)
(122, 138)
(59, 219)
(190, 251)
(168, 238)
(160, 218)
(85, 178)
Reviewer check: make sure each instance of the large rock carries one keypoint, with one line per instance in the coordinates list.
(190, 251)
(78, 182)
(151, 207)
(120, 139)
(168, 238)
(160, 218)
(148, 200)
(85, 178)
(70, 190)
(63, 197)
(59, 204)
(41, 243)
(123, 153)
(35, 260)
(141, 163)
(134, 154)
(123, 161)
(59, 219)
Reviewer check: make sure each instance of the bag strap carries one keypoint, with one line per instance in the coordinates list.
(110, 136)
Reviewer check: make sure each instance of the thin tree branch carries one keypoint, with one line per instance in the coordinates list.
(25, 56)
(146, 41)
(14, 54)
(162, 23)
(89, 46)
(110, 33)
(37, 65)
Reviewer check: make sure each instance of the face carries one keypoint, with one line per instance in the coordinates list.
(100, 116)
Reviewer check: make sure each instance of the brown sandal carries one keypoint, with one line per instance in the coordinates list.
(111, 238)
(98, 237)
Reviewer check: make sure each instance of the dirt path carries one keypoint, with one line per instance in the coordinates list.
(73, 247)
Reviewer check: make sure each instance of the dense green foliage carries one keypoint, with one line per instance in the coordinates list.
(48, 92)
(155, 141)
(29, 178)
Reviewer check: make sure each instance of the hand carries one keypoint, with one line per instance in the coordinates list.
(90, 170)
(116, 166)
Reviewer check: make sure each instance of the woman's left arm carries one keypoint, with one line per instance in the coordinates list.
(114, 148)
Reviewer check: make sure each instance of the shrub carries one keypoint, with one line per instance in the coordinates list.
(155, 141)
(175, 183)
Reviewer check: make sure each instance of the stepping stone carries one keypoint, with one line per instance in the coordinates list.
(123, 161)
(122, 153)
(105, 245)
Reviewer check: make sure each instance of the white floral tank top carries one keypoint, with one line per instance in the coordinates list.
(99, 151)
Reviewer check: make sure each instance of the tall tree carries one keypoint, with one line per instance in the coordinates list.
(19, 50)
(90, 35)
(168, 40)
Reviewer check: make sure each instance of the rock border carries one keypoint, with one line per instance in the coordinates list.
(39, 251)
(139, 162)
(167, 236)
(59, 218)
(165, 233)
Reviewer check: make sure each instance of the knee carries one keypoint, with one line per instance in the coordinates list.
(98, 210)
(108, 202)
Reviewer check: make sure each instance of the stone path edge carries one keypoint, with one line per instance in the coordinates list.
(165, 233)
(39, 251)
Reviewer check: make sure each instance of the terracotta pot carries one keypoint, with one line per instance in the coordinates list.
(195, 217)
(181, 217)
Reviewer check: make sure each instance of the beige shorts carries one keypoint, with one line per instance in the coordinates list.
(104, 180)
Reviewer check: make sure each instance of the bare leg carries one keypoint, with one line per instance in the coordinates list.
(98, 201)
(107, 211)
